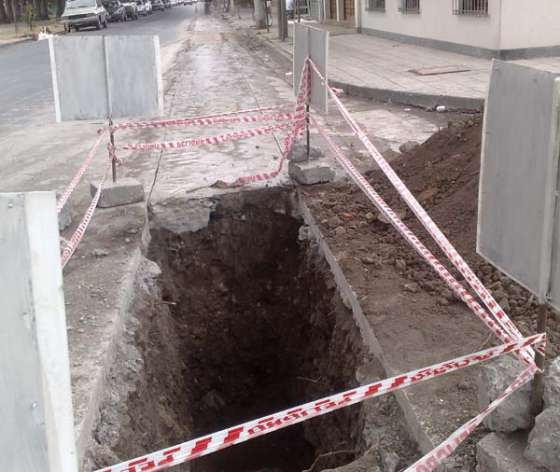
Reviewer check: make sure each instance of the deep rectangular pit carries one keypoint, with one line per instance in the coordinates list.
(243, 321)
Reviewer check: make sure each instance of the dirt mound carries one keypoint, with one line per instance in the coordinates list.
(415, 317)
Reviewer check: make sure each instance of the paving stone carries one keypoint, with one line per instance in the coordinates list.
(544, 440)
(123, 192)
(503, 453)
(310, 173)
(515, 412)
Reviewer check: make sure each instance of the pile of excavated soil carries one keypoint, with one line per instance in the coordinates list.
(443, 174)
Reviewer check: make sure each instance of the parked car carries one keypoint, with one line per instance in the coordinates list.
(149, 7)
(167, 3)
(83, 13)
(141, 7)
(158, 5)
(131, 10)
(115, 10)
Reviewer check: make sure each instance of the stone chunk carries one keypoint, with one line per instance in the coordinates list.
(544, 440)
(122, 192)
(299, 153)
(514, 413)
(552, 384)
(311, 172)
(503, 453)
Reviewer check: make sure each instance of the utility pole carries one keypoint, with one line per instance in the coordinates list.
(260, 14)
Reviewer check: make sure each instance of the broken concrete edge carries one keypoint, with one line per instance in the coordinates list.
(350, 299)
(498, 452)
(85, 429)
(311, 172)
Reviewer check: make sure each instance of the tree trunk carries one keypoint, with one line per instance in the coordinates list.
(44, 10)
(3, 14)
(9, 11)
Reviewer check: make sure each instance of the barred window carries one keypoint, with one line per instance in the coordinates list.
(410, 6)
(470, 7)
(376, 5)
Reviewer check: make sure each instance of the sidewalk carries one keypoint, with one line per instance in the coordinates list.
(381, 69)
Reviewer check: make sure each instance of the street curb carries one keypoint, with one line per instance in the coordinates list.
(17, 41)
(424, 100)
(402, 97)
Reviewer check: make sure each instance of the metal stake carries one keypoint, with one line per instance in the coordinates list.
(112, 154)
(538, 382)
(307, 128)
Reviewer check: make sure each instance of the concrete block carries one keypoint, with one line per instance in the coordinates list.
(503, 453)
(65, 215)
(122, 192)
(552, 384)
(311, 172)
(515, 412)
(299, 153)
(544, 440)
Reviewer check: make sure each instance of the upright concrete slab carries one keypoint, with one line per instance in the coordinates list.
(313, 43)
(518, 179)
(95, 77)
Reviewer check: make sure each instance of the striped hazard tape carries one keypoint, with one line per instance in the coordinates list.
(502, 322)
(208, 444)
(78, 176)
(412, 239)
(71, 245)
(218, 139)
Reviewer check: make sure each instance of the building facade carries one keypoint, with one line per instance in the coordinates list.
(488, 28)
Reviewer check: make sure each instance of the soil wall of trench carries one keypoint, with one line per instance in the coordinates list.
(236, 320)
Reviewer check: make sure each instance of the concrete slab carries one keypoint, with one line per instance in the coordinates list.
(311, 172)
(123, 192)
(504, 453)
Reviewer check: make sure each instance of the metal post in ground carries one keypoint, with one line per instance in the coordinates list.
(538, 382)
(37, 433)
(112, 152)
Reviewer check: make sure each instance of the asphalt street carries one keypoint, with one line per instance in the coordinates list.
(25, 81)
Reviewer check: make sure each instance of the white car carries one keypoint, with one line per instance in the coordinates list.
(149, 7)
(141, 7)
(82, 13)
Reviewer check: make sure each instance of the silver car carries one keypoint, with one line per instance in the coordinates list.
(84, 13)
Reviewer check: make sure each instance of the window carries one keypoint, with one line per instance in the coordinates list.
(376, 5)
(410, 6)
(470, 7)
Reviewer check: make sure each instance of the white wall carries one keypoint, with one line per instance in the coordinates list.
(437, 21)
(529, 24)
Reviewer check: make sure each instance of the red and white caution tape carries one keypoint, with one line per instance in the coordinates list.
(304, 89)
(74, 241)
(431, 460)
(210, 121)
(218, 139)
(76, 180)
(502, 320)
(145, 124)
(411, 238)
(208, 444)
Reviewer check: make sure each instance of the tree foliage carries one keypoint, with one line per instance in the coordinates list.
(23, 10)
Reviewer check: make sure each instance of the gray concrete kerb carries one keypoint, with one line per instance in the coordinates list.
(123, 192)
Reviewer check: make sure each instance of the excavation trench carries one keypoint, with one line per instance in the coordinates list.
(243, 320)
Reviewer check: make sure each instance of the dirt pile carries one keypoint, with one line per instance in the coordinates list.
(443, 174)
